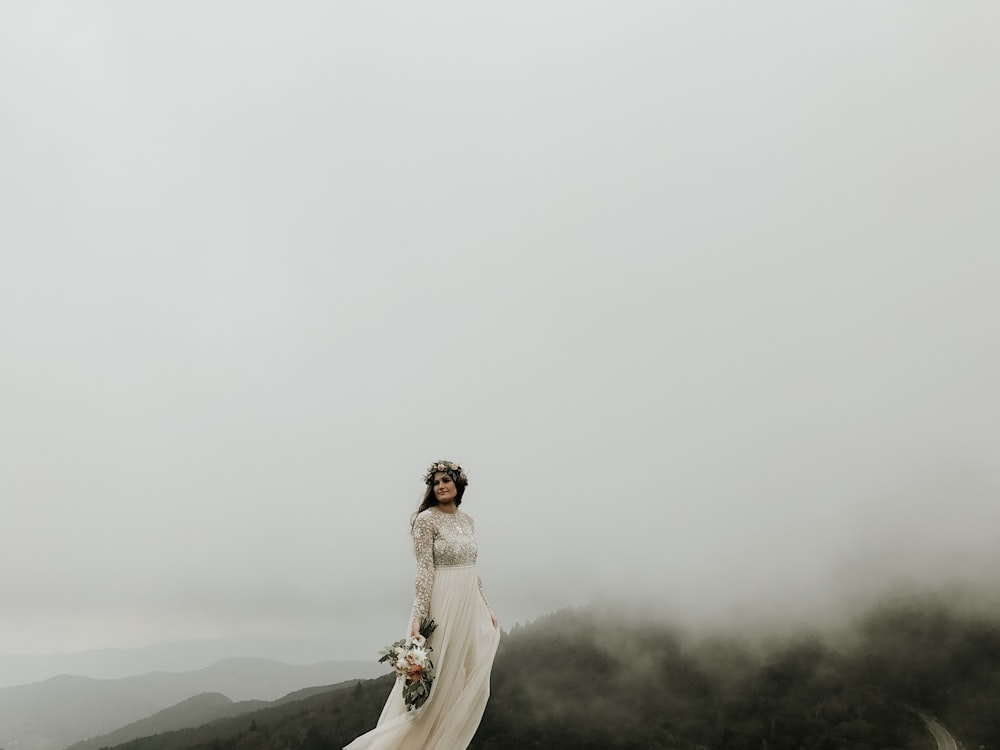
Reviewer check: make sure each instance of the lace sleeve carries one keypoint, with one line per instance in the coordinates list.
(479, 580)
(482, 593)
(423, 548)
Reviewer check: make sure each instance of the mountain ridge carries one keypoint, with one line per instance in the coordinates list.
(191, 712)
(182, 655)
(594, 680)
(65, 709)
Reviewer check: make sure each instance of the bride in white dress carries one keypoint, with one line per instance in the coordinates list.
(448, 591)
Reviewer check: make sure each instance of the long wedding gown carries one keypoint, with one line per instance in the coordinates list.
(465, 642)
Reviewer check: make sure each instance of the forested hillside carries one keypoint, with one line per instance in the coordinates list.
(63, 710)
(588, 679)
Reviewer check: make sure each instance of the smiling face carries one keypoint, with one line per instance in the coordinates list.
(444, 488)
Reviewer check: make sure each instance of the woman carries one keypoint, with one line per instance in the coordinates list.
(448, 591)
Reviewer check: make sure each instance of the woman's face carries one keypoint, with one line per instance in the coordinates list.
(444, 488)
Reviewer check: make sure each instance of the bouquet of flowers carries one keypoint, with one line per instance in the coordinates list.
(410, 658)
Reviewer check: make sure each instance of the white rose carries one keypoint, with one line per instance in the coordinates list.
(417, 656)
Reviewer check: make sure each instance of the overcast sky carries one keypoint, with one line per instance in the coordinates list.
(702, 295)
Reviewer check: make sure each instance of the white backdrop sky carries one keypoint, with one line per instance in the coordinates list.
(703, 295)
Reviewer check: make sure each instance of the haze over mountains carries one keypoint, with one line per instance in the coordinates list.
(192, 712)
(606, 678)
(62, 710)
(177, 656)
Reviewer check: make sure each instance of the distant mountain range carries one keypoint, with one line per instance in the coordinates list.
(63, 710)
(602, 678)
(177, 656)
(597, 678)
(193, 712)
(286, 723)
(199, 711)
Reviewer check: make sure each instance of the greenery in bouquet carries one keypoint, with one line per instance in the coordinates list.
(410, 659)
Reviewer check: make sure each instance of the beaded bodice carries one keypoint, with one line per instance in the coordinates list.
(440, 539)
(454, 541)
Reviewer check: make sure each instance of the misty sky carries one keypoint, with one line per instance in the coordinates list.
(702, 295)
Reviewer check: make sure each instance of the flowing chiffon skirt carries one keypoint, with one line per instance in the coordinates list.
(465, 644)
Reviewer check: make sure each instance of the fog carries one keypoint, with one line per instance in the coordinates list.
(703, 297)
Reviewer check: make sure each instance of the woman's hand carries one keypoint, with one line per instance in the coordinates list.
(414, 627)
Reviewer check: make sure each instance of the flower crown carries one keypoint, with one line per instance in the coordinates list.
(456, 472)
